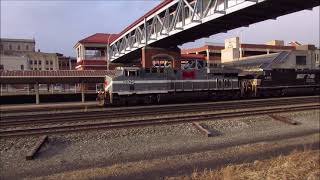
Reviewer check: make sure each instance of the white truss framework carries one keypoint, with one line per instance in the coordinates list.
(173, 18)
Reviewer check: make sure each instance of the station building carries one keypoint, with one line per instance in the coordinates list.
(92, 52)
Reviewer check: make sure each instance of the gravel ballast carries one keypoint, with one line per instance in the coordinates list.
(106, 147)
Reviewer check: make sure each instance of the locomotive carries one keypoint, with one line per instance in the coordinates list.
(131, 85)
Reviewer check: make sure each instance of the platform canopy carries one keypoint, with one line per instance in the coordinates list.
(57, 77)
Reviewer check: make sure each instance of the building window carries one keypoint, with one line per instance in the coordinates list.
(31, 62)
(35, 62)
(35, 68)
(47, 62)
(22, 67)
(78, 52)
(18, 47)
(40, 62)
(47, 69)
(1, 67)
(51, 63)
(51, 69)
(40, 69)
(1, 47)
(27, 47)
(301, 60)
(10, 47)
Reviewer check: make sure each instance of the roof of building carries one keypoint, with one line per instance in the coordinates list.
(60, 73)
(102, 38)
(92, 63)
(294, 43)
(261, 61)
(17, 40)
(264, 46)
(61, 76)
(201, 49)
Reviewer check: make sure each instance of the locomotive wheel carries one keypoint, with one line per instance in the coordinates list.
(148, 100)
(101, 102)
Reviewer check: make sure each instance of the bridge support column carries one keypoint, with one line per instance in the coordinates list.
(52, 89)
(82, 92)
(150, 54)
(28, 86)
(36, 89)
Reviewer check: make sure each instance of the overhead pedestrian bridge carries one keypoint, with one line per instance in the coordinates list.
(175, 22)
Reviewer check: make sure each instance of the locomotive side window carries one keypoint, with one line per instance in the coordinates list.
(301, 60)
(130, 73)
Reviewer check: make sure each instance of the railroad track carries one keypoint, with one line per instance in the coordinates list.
(12, 121)
(61, 109)
(49, 109)
(150, 121)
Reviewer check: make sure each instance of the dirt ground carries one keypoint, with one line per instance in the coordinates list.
(303, 164)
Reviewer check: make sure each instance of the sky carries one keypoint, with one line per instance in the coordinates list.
(58, 25)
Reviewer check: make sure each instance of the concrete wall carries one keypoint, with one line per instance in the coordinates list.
(230, 54)
(231, 50)
(14, 62)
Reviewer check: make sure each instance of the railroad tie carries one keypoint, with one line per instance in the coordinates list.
(202, 129)
(31, 154)
(283, 119)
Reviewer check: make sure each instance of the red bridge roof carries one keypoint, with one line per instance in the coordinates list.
(99, 38)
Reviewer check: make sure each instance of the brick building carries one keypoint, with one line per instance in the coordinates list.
(66, 62)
